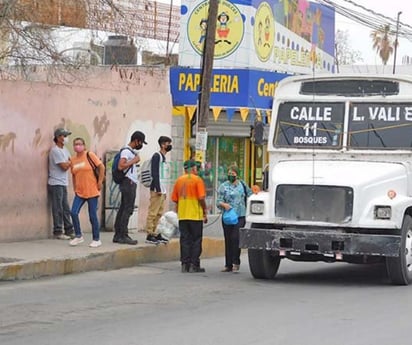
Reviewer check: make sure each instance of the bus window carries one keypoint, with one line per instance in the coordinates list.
(348, 87)
(380, 126)
(309, 124)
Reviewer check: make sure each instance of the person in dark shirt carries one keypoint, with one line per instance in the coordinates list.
(157, 191)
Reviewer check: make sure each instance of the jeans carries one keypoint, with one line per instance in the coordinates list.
(232, 250)
(60, 210)
(191, 232)
(128, 191)
(78, 202)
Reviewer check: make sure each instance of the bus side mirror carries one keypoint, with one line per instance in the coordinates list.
(259, 133)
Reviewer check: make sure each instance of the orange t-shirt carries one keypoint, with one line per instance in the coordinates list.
(82, 171)
(187, 192)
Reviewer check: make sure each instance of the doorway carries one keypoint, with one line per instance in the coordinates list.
(221, 153)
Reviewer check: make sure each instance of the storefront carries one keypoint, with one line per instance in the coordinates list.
(239, 99)
(253, 39)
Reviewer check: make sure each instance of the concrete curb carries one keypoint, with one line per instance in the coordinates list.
(107, 260)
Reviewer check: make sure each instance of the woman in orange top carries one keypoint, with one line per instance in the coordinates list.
(87, 189)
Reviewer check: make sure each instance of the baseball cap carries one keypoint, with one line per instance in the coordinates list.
(139, 136)
(61, 131)
(189, 163)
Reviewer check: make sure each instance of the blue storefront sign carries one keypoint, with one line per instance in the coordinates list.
(230, 88)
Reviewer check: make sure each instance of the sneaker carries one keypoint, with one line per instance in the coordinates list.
(125, 240)
(152, 239)
(235, 268)
(77, 240)
(162, 239)
(61, 237)
(128, 237)
(95, 244)
(196, 269)
(72, 235)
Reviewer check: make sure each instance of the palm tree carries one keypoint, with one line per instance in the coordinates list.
(383, 42)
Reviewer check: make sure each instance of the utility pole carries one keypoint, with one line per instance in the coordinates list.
(168, 33)
(396, 41)
(206, 76)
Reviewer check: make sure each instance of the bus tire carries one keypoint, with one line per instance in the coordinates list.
(400, 268)
(262, 264)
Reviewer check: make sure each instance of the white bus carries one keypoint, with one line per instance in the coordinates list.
(339, 182)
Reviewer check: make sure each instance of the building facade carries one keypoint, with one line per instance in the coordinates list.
(257, 43)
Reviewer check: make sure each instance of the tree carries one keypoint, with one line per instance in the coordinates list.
(39, 34)
(31, 32)
(383, 42)
(344, 54)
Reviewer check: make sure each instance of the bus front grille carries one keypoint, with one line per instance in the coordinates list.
(331, 204)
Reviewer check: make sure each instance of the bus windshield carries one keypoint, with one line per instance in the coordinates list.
(310, 124)
(374, 125)
(380, 126)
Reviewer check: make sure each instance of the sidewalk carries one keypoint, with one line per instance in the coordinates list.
(49, 257)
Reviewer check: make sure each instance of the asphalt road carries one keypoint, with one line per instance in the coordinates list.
(308, 303)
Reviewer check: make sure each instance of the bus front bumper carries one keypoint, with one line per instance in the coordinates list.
(320, 241)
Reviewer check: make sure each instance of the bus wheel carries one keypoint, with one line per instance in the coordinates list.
(400, 268)
(262, 264)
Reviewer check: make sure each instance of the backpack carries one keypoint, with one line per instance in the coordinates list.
(145, 176)
(119, 175)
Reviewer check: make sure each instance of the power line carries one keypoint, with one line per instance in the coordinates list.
(369, 18)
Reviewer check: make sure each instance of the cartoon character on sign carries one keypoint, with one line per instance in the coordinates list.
(267, 32)
(264, 31)
(203, 27)
(229, 30)
(317, 29)
(260, 29)
(222, 28)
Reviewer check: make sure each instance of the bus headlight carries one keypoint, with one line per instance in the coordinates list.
(383, 212)
(257, 207)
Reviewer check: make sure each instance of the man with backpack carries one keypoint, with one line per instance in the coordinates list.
(127, 161)
(157, 191)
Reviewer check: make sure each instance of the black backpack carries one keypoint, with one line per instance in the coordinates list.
(119, 175)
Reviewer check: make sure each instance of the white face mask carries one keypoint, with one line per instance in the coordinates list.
(65, 140)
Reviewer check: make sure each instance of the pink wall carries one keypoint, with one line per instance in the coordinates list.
(104, 108)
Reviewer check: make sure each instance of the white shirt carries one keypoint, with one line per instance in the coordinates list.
(132, 171)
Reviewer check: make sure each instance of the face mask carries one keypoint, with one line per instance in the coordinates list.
(231, 178)
(79, 148)
(168, 148)
(65, 140)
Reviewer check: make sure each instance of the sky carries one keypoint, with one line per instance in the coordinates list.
(358, 35)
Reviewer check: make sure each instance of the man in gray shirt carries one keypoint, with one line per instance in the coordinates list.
(59, 164)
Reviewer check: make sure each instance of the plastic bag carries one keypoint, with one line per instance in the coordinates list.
(168, 225)
(171, 217)
(230, 217)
